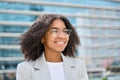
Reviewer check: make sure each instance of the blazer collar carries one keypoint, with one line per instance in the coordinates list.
(70, 68)
(68, 64)
(41, 62)
(41, 69)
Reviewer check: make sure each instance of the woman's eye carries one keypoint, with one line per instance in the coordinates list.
(65, 31)
(55, 31)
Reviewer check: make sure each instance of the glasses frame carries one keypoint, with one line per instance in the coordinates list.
(55, 31)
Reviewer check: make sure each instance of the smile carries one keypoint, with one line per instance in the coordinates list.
(60, 43)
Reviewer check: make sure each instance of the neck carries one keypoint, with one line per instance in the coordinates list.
(53, 57)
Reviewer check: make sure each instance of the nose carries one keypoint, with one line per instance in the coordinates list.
(62, 34)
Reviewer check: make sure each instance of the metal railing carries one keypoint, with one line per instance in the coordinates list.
(95, 36)
(61, 4)
(37, 13)
(91, 26)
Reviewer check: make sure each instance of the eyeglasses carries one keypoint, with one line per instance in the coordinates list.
(57, 31)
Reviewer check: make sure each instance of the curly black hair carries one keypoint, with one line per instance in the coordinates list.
(31, 45)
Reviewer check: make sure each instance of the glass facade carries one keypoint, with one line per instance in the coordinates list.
(96, 21)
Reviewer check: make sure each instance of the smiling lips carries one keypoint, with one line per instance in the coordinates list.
(61, 43)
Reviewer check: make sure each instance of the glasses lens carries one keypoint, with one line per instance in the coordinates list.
(67, 31)
(56, 31)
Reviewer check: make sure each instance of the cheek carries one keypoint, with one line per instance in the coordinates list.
(68, 39)
(48, 40)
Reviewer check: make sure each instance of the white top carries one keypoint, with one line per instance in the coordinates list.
(56, 70)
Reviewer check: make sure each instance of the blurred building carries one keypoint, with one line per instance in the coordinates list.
(96, 21)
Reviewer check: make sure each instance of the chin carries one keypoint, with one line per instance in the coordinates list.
(61, 50)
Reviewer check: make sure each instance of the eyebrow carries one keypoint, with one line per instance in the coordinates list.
(56, 28)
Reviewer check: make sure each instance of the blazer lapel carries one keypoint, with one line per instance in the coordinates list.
(70, 68)
(41, 69)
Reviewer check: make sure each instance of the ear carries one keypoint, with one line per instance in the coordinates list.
(42, 40)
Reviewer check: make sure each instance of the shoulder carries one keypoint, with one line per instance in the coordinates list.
(76, 60)
(24, 71)
(24, 65)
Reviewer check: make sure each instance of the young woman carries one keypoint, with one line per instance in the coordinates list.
(49, 46)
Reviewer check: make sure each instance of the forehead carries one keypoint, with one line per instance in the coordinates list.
(58, 23)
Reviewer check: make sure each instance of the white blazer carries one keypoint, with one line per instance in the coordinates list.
(74, 69)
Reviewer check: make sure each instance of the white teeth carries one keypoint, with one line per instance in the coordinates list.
(60, 42)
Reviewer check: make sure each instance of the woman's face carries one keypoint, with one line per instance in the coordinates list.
(57, 37)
